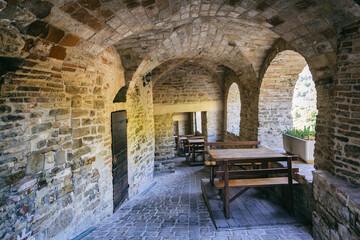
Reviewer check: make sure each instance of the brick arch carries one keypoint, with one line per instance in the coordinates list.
(275, 99)
(233, 109)
(280, 46)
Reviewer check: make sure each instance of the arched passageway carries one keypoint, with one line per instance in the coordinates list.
(190, 94)
(63, 63)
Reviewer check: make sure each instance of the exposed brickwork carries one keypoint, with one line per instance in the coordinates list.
(178, 86)
(347, 106)
(164, 143)
(337, 210)
(62, 77)
(60, 161)
(56, 148)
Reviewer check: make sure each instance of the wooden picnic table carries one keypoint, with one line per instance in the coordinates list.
(196, 148)
(217, 156)
(259, 177)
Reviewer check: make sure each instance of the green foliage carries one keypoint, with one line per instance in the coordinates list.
(312, 119)
(306, 134)
(297, 115)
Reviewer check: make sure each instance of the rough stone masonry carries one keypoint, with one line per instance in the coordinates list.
(63, 62)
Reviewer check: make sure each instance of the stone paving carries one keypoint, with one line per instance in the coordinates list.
(175, 209)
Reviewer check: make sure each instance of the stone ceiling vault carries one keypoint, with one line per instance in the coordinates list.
(309, 26)
(201, 40)
(216, 70)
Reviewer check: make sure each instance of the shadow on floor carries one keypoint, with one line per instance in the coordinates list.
(253, 208)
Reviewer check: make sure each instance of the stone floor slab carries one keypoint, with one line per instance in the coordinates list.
(175, 209)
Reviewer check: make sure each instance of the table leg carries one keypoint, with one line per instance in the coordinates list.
(212, 173)
(193, 152)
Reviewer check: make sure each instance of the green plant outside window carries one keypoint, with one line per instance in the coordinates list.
(306, 133)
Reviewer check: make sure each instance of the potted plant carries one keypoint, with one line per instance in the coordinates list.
(300, 142)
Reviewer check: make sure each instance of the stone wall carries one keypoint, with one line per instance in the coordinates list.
(204, 122)
(164, 143)
(347, 106)
(184, 123)
(233, 109)
(186, 84)
(214, 126)
(141, 135)
(276, 94)
(56, 157)
(55, 126)
(337, 208)
(337, 201)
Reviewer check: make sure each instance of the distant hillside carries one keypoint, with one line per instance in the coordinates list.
(304, 101)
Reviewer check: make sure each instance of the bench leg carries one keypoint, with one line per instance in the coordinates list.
(212, 173)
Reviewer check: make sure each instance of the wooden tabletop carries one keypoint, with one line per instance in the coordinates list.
(246, 153)
(194, 141)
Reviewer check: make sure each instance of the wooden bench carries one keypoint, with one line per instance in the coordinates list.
(267, 177)
(212, 145)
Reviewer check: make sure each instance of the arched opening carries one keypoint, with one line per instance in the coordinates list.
(233, 110)
(304, 109)
(188, 93)
(276, 97)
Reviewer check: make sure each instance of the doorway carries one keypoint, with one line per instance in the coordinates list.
(119, 156)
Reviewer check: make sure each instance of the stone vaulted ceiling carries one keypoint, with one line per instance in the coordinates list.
(234, 33)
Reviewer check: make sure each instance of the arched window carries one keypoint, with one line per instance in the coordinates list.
(276, 105)
(233, 110)
(304, 109)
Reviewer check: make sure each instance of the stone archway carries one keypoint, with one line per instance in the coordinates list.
(63, 51)
(276, 93)
(179, 92)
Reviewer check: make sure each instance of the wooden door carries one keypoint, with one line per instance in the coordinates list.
(119, 154)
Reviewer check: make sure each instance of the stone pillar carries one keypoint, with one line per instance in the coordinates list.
(337, 190)
(164, 143)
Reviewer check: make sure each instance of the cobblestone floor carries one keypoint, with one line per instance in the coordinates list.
(175, 209)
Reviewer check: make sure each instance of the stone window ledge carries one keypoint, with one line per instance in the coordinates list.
(346, 193)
